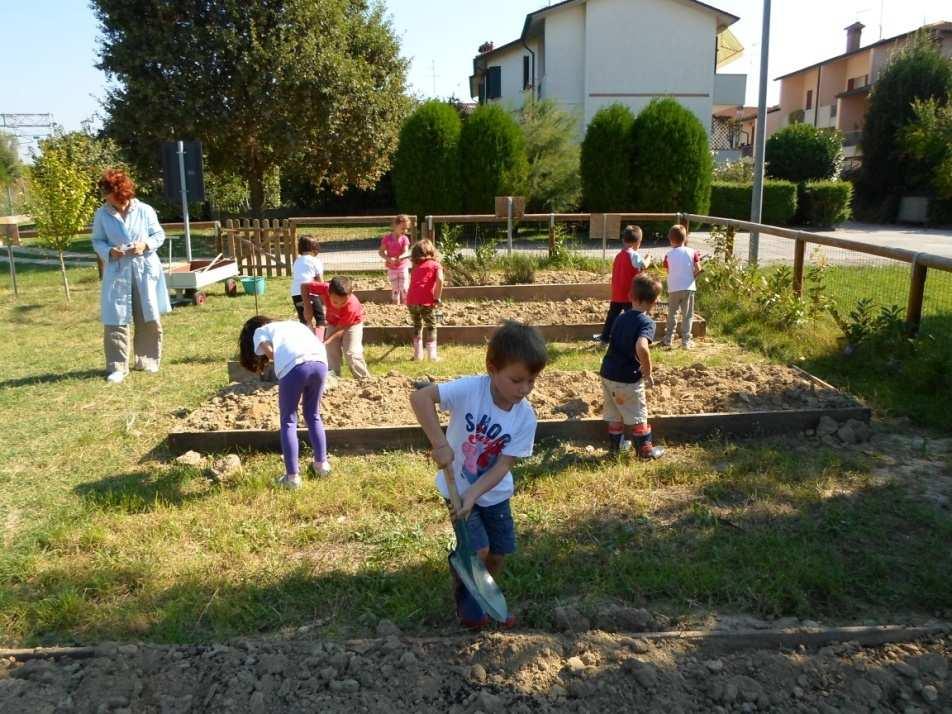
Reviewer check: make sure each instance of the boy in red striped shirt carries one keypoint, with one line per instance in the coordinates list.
(628, 264)
(345, 324)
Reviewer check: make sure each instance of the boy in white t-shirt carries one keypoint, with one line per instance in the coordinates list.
(491, 425)
(683, 265)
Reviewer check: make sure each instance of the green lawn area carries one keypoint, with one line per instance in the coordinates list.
(104, 537)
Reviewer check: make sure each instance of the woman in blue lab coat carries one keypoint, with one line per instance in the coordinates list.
(127, 236)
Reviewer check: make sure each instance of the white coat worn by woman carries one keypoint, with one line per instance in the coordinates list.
(127, 236)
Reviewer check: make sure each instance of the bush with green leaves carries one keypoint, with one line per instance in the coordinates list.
(928, 137)
(824, 204)
(518, 269)
(732, 200)
(671, 160)
(740, 171)
(492, 158)
(426, 167)
(801, 152)
(553, 183)
(605, 160)
(918, 72)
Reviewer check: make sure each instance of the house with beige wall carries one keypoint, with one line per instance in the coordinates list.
(587, 54)
(834, 93)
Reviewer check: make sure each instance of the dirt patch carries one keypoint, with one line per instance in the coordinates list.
(542, 277)
(511, 672)
(491, 312)
(381, 401)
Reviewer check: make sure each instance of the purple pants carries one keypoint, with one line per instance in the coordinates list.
(305, 380)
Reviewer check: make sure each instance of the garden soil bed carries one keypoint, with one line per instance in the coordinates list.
(482, 312)
(382, 401)
(499, 672)
(543, 277)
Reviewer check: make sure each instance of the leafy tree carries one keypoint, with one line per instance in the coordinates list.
(492, 154)
(918, 72)
(61, 202)
(426, 165)
(929, 138)
(671, 160)
(802, 152)
(312, 85)
(553, 182)
(11, 168)
(606, 160)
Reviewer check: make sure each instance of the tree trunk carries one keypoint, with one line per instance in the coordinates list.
(65, 279)
(256, 188)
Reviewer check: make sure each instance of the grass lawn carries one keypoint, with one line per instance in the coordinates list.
(104, 537)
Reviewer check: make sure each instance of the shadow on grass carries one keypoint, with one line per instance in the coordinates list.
(835, 556)
(142, 491)
(51, 378)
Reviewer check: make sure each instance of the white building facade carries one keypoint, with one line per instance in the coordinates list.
(588, 54)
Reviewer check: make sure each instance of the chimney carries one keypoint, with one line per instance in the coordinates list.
(486, 47)
(853, 34)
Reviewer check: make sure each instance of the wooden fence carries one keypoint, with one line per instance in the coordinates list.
(260, 247)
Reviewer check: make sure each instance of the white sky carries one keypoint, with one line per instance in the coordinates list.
(49, 46)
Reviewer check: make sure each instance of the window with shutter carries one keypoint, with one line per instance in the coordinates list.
(493, 82)
(809, 99)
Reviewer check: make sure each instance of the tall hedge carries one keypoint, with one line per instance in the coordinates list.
(606, 160)
(801, 152)
(492, 156)
(671, 160)
(732, 200)
(918, 72)
(426, 166)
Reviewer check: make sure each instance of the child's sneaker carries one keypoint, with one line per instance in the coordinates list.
(687, 344)
(292, 483)
(323, 469)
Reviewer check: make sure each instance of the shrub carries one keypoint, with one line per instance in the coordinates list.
(928, 137)
(552, 152)
(605, 160)
(740, 171)
(426, 166)
(518, 269)
(732, 200)
(825, 203)
(671, 160)
(917, 72)
(492, 158)
(801, 152)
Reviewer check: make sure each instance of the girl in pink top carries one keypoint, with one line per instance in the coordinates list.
(395, 250)
(426, 288)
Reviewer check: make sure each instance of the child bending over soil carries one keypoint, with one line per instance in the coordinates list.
(395, 251)
(426, 288)
(307, 268)
(300, 363)
(345, 324)
(491, 425)
(626, 370)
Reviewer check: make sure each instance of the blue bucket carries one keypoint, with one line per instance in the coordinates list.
(253, 285)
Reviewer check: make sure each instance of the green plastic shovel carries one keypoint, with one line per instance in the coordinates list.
(468, 566)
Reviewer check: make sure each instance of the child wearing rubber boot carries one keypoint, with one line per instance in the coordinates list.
(423, 297)
(626, 371)
(491, 425)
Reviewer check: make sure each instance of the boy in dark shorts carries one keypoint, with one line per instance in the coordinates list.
(491, 425)
(626, 371)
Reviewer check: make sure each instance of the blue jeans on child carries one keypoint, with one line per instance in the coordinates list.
(492, 527)
(305, 380)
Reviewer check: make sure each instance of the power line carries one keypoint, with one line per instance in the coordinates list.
(28, 130)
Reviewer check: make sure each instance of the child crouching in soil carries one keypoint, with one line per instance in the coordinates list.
(626, 370)
(300, 363)
(491, 425)
(345, 324)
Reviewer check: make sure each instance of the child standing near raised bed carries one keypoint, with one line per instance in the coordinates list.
(491, 425)
(395, 250)
(627, 264)
(426, 288)
(300, 363)
(683, 265)
(307, 268)
(626, 371)
(345, 324)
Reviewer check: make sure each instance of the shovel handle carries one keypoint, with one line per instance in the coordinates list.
(450, 479)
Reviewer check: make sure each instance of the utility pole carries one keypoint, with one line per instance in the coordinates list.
(757, 195)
